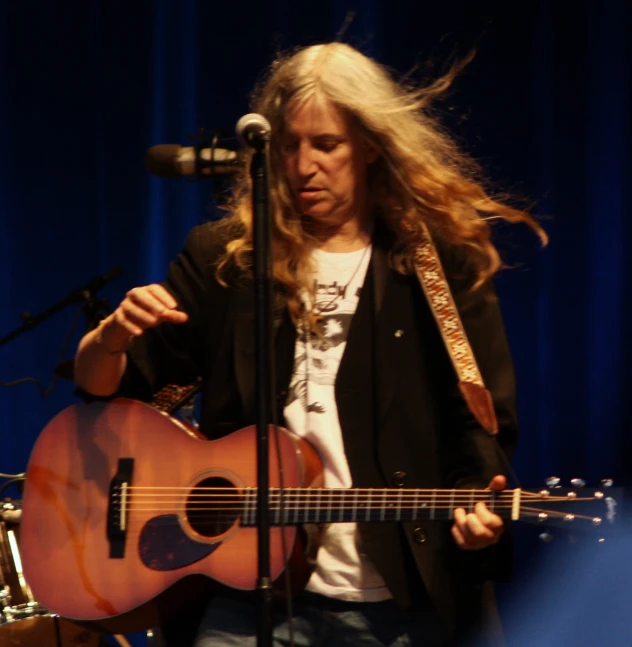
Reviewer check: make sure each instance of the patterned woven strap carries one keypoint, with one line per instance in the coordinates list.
(435, 286)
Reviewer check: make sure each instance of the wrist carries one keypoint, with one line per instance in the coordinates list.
(112, 337)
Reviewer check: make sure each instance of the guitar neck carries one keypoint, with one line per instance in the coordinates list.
(320, 505)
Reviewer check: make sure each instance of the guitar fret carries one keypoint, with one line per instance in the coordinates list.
(246, 504)
(415, 505)
(472, 503)
(318, 497)
(307, 504)
(246, 510)
(331, 495)
(451, 510)
(355, 505)
(492, 501)
(383, 512)
(277, 511)
(368, 506)
(433, 504)
(398, 516)
(341, 503)
(254, 513)
(297, 506)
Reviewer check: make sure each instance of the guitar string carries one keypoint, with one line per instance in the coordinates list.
(335, 501)
(314, 505)
(206, 492)
(136, 527)
(370, 491)
(526, 512)
(523, 514)
(345, 505)
(346, 508)
(238, 510)
(351, 500)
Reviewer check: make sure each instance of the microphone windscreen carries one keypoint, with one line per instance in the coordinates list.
(251, 127)
(162, 160)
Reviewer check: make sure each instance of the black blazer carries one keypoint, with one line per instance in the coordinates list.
(403, 420)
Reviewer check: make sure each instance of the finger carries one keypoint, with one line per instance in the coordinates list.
(174, 316)
(476, 531)
(130, 327)
(457, 535)
(145, 298)
(167, 311)
(461, 521)
(137, 315)
(469, 532)
(499, 482)
(488, 518)
(466, 542)
(459, 517)
(162, 295)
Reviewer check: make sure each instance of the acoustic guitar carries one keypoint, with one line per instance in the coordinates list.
(122, 501)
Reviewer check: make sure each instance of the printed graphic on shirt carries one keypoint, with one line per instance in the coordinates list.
(316, 359)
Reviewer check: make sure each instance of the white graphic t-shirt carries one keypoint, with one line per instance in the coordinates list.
(342, 571)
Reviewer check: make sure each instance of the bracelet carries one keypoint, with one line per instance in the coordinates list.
(99, 340)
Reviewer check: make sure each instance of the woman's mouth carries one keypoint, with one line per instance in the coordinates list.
(309, 192)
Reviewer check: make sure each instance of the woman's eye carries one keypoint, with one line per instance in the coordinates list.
(289, 147)
(327, 146)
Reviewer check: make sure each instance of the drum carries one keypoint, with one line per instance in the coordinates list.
(23, 621)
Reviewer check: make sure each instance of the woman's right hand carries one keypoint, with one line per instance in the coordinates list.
(142, 308)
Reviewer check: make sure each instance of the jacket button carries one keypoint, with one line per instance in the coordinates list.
(398, 479)
(419, 536)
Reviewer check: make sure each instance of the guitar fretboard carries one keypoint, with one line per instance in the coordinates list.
(320, 505)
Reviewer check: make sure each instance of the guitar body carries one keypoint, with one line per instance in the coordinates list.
(77, 571)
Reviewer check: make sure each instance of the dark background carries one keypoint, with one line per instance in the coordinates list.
(87, 87)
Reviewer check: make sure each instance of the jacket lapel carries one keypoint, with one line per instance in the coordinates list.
(390, 343)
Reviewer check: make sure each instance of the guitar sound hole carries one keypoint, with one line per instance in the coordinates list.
(213, 506)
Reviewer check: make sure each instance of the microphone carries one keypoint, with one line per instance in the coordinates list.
(173, 160)
(253, 130)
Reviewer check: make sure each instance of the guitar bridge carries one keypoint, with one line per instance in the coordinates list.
(118, 507)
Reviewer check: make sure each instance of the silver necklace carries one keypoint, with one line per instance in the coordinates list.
(317, 310)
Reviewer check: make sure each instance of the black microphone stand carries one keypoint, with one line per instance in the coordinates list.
(93, 307)
(264, 372)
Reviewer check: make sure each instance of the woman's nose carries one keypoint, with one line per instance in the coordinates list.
(306, 163)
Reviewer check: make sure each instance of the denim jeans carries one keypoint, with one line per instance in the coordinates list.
(319, 621)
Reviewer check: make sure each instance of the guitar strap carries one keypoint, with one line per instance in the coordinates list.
(435, 286)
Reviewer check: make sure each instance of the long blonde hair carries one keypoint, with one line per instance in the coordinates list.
(420, 175)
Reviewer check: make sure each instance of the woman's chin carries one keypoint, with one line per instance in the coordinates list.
(315, 209)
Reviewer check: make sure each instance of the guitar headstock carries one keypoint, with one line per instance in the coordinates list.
(577, 508)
